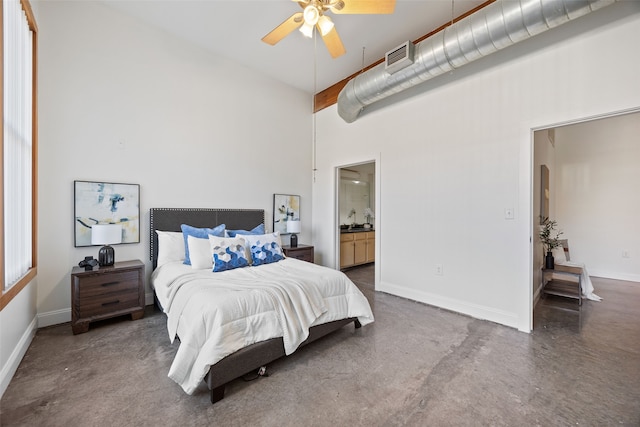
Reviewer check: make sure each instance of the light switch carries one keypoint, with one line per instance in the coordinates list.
(508, 213)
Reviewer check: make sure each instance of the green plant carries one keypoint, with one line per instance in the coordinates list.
(549, 235)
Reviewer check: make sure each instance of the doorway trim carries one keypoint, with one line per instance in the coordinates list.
(376, 221)
(532, 218)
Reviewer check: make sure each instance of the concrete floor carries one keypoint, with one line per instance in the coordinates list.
(416, 365)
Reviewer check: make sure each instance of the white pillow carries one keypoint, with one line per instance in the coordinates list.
(200, 253)
(170, 247)
(559, 257)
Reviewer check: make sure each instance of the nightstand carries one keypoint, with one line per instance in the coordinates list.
(564, 288)
(302, 252)
(106, 292)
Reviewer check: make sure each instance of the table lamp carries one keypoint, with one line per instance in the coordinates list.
(293, 227)
(106, 234)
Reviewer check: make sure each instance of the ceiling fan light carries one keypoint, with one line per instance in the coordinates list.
(307, 30)
(325, 24)
(311, 15)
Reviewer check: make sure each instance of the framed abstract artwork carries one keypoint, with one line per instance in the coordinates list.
(106, 203)
(286, 207)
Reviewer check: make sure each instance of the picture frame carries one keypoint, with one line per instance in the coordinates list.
(105, 203)
(544, 193)
(286, 207)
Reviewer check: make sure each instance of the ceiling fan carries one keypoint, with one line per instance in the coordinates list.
(314, 15)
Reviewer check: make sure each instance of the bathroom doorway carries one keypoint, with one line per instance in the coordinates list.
(356, 216)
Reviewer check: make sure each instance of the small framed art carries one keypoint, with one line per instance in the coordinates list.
(286, 207)
(544, 193)
(106, 203)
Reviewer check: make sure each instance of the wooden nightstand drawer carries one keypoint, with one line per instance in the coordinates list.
(301, 252)
(97, 285)
(106, 292)
(108, 303)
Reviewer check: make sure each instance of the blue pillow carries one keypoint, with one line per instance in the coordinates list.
(265, 248)
(228, 253)
(256, 230)
(266, 253)
(200, 233)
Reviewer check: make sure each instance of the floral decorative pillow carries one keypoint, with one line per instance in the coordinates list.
(228, 253)
(265, 248)
(200, 233)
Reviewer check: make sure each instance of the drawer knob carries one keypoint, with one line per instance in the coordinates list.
(110, 283)
(105, 304)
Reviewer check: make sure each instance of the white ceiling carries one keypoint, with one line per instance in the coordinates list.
(233, 29)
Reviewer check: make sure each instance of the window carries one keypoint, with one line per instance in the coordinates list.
(19, 136)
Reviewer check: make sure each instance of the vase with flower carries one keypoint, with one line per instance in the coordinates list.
(549, 238)
(352, 214)
(368, 216)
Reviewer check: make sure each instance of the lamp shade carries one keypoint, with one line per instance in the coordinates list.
(293, 226)
(307, 30)
(106, 234)
(325, 24)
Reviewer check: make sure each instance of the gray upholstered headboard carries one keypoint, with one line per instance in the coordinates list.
(170, 219)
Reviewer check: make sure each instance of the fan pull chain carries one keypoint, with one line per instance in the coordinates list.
(451, 25)
(452, 12)
(313, 103)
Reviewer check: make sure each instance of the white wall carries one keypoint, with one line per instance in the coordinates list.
(466, 155)
(123, 102)
(598, 194)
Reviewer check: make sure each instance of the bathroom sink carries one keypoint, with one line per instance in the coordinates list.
(355, 229)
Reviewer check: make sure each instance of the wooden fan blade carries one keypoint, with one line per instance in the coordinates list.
(364, 6)
(282, 30)
(333, 43)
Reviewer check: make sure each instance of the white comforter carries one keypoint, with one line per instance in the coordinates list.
(216, 314)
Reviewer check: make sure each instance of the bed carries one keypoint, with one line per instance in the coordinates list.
(234, 322)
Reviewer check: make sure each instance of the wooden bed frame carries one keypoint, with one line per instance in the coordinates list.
(253, 357)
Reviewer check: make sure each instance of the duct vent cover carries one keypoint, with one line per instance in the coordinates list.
(399, 58)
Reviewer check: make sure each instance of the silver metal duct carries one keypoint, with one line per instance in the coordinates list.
(488, 30)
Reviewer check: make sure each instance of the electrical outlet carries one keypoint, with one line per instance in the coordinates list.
(439, 270)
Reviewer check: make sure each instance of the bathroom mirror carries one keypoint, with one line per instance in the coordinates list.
(356, 193)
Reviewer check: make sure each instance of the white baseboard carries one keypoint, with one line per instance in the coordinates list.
(464, 307)
(613, 275)
(536, 295)
(55, 317)
(10, 368)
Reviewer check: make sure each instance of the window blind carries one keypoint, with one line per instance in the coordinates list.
(17, 141)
